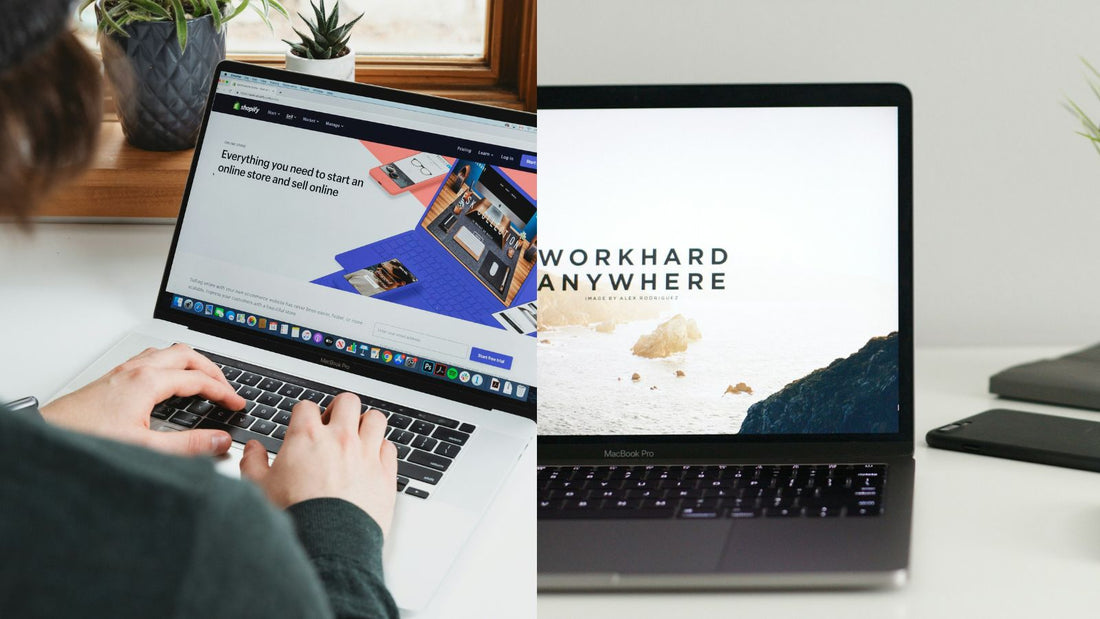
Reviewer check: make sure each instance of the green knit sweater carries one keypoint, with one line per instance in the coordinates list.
(94, 528)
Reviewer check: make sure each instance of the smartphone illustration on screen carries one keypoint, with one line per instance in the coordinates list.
(381, 277)
(410, 172)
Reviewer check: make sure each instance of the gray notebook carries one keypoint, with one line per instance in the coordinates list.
(1072, 380)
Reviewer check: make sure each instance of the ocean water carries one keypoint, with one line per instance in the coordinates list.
(585, 384)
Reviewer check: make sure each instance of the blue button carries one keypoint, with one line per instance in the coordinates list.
(489, 357)
(528, 161)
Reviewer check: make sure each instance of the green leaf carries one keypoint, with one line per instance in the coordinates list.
(154, 10)
(215, 13)
(181, 24)
(237, 11)
(111, 23)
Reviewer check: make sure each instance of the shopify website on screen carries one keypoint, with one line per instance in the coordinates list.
(402, 234)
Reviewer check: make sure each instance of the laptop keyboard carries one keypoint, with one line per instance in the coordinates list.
(427, 444)
(711, 491)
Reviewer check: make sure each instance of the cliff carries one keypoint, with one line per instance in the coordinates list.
(853, 395)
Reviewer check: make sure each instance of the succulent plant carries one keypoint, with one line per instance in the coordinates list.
(114, 15)
(327, 38)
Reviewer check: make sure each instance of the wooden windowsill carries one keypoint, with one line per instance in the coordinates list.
(123, 181)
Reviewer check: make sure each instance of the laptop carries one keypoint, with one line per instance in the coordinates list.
(285, 179)
(726, 364)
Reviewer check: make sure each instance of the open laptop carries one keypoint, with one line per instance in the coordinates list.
(725, 363)
(280, 184)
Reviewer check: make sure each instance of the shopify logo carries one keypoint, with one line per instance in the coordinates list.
(251, 109)
(237, 105)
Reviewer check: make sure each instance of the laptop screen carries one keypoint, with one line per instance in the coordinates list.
(379, 231)
(719, 270)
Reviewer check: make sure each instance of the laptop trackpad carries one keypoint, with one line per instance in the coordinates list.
(631, 546)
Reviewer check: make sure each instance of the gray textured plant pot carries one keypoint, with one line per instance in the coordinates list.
(160, 92)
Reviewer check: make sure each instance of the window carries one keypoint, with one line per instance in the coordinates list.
(417, 28)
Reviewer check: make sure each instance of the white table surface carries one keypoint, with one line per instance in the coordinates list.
(70, 291)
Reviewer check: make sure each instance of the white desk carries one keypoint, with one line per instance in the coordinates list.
(991, 537)
(69, 291)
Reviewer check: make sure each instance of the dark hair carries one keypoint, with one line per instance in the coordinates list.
(50, 113)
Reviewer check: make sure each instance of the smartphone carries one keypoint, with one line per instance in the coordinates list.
(381, 277)
(1004, 433)
(410, 172)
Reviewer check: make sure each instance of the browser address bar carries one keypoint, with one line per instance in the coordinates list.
(408, 120)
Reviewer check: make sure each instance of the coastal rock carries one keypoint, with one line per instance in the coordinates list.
(857, 394)
(653, 388)
(544, 341)
(738, 388)
(635, 377)
(605, 327)
(672, 336)
(680, 374)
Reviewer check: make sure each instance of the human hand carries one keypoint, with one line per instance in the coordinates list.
(117, 406)
(341, 454)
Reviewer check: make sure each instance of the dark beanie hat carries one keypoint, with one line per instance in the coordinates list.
(28, 26)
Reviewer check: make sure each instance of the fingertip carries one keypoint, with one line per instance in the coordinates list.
(220, 442)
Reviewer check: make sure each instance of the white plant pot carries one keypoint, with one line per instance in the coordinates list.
(342, 68)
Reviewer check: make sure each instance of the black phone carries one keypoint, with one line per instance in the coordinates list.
(1017, 435)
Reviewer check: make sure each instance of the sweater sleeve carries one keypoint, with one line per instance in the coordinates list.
(345, 546)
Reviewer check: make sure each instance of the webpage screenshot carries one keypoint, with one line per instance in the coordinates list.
(400, 234)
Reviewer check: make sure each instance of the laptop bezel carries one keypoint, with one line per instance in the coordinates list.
(689, 448)
(163, 309)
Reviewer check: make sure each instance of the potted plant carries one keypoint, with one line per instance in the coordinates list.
(160, 57)
(325, 50)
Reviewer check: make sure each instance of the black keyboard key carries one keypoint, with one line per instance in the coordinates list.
(263, 412)
(400, 421)
(249, 393)
(263, 427)
(279, 433)
(312, 396)
(744, 512)
(250, 379)
(402, 450)
(178, 402)
(416, 492)
(422, 427)
(287, 404)
(231, 373)
(270, 384)
(241, 420)
(241, 435)
(325, 401)
(162, 411)
(451, 436)
(430, 460)
(468, 428)
(220, 414)
(417, 472)
(291, 391)
(430, 418)
(269, 399)
(401, 483)
(200, 407)
(185, 419)
(282, 417)
(401, 437)
(425, 443)
(447, 449)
